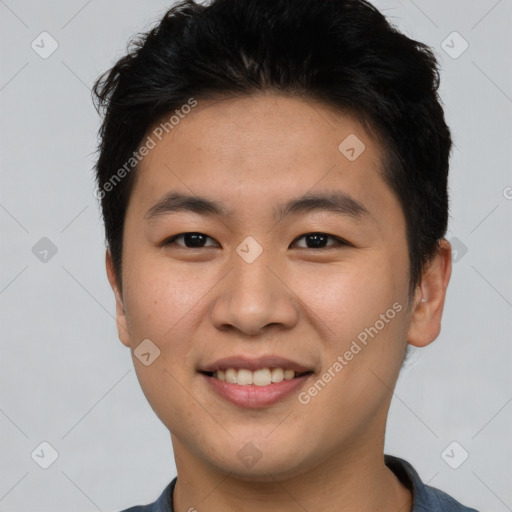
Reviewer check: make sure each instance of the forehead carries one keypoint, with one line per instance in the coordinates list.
(261, 149)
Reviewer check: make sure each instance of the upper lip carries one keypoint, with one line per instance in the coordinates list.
(256, 363)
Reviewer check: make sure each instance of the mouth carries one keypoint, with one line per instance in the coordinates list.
(261, 377)
(255, 383)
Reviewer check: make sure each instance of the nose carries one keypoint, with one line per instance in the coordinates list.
(253, 298)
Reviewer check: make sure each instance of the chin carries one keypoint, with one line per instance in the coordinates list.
(263, 471)
(262, 460)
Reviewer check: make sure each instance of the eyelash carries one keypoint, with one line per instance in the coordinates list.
(339, 241)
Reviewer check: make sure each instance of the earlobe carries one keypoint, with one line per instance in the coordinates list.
(122, 328)
(429, 298)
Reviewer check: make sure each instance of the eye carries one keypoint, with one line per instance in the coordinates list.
(191, 240)
(195, 240)
(319, 240)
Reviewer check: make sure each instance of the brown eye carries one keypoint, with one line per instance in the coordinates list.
(319, 241)
(189, 240)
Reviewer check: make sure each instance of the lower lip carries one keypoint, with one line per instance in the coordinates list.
(253, 396)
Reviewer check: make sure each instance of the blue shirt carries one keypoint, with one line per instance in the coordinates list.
(425, 498)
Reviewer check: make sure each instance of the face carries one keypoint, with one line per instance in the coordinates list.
(286, 266)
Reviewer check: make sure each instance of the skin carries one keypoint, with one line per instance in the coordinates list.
(306, 304)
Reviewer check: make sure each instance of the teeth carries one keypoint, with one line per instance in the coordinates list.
(261, 377)
(277, 375)
(244, 377)
(289, 374)
(231, 374)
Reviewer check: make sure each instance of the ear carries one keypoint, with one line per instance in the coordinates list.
(429, 298)
(122, 327)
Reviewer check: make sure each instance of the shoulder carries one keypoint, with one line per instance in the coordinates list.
(425, 498)
(162, 504)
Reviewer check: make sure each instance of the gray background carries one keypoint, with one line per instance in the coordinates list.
(65, 377)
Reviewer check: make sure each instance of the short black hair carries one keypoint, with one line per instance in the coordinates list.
(343, 53)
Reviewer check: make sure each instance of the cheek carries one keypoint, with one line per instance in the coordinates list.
(347, 297)
(366, 316)
(163, 306)
(159, 298)
(360, 308)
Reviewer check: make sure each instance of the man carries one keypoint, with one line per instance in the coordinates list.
(273, 181)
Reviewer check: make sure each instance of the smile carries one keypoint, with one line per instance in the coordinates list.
(255, 382)
(260, 377)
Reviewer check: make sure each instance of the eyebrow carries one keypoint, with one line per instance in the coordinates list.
(335, 201)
